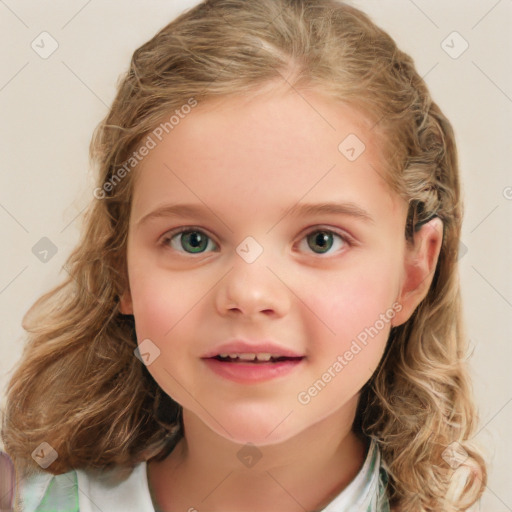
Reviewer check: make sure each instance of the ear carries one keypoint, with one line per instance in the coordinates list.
(125, 303)
(420, 261)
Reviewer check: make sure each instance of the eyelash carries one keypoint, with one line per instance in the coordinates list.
(167, 238)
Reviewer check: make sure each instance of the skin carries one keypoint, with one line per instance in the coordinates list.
(249, 161)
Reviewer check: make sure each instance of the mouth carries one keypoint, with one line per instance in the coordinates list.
(256, 358)
(252, 368)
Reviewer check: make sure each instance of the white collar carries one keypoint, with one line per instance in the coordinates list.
(365, 493)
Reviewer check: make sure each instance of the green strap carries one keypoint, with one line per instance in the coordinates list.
(382, 500)
(61, 494)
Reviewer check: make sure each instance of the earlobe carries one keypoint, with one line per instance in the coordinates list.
(420, 261)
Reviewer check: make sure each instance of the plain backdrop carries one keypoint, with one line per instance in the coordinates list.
(50, 105)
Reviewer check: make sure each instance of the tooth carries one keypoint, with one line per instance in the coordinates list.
(223, 355)
(247, 357)
(263, 357)
(233, 356)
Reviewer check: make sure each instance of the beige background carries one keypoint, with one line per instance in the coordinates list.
(50, 107)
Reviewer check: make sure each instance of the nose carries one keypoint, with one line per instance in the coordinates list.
(252, 289)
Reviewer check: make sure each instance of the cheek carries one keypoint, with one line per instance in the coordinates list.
(161, 300)
(353, 301)
(358, 313)
(357, 308)
(162, 306)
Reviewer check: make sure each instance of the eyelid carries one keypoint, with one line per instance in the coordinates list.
(313, 227)
(326, 227)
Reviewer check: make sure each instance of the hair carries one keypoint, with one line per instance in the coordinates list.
(78, 385)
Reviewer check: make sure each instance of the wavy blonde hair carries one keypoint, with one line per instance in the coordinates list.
(79, 386)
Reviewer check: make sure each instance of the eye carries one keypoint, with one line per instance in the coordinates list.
(321, 241)
(191, 241)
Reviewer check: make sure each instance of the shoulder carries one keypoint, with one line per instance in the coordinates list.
(86, 491)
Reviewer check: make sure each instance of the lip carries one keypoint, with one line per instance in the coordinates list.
(247, 347)
(251, 373)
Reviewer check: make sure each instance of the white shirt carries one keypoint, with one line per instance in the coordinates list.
(87, 492)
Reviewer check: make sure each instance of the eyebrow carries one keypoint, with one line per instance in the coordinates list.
(299, 210)
(348, 209)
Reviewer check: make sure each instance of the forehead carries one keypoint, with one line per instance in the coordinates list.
(272, 148)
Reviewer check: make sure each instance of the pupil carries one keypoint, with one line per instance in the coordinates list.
(195, 241)
(322, 239)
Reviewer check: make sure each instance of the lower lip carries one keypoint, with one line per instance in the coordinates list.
(252, 373)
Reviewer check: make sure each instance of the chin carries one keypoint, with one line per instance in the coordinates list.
(260, 430)
(250, 435)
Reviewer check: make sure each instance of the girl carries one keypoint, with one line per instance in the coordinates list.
(263, 313)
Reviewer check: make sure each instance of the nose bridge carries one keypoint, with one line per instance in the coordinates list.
(251, 287)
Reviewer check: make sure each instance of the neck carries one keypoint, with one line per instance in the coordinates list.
(207, 471)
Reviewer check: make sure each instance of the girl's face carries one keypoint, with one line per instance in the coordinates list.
(263, 227)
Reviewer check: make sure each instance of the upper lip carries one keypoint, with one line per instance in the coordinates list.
(248, 347)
